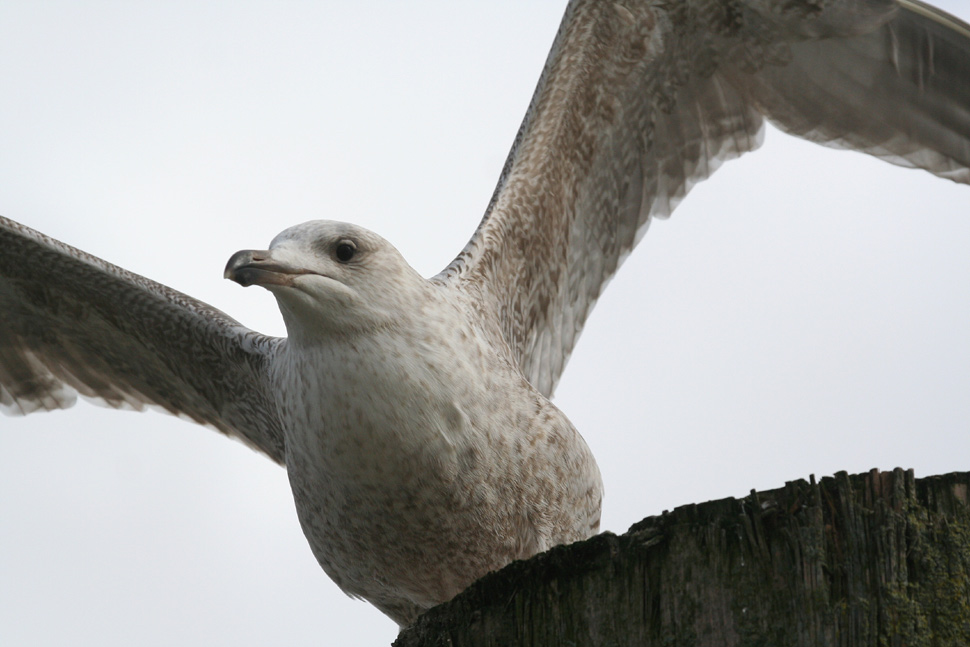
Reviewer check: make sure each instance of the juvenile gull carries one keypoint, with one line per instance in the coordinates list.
(596, 157)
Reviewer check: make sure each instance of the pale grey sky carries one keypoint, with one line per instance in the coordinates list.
(804, 311)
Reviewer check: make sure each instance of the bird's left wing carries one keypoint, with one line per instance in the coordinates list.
(73, 323)
(641, 99)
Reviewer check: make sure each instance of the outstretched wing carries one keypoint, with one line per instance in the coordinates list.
(900, 92)
(640, 100)
(72, 323)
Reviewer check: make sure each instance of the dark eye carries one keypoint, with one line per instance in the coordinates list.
(345, 251)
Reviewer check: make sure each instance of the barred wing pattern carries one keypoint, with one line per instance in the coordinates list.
(640, 101)
(72, 323)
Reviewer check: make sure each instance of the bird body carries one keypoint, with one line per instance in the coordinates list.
(419, 456)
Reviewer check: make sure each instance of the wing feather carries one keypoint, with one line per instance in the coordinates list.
(72, 323)
(899, 92)
(640, 101)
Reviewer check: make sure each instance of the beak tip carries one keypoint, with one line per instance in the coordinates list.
(236, 262)
(257, 267)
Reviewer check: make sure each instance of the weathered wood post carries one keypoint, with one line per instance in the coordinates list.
(872, 559)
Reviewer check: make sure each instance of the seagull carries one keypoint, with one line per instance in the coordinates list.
(413, 415)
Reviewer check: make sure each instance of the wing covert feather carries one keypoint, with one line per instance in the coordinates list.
(72, 323)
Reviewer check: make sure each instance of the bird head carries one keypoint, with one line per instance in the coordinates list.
(331, 278)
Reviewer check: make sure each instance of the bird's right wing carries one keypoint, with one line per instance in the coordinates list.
(72, 323)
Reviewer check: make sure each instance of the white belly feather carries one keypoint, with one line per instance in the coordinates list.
(420, 463)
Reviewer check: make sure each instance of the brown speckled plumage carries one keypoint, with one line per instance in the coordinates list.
(412, 415)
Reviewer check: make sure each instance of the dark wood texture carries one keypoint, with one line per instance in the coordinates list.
(871, 559)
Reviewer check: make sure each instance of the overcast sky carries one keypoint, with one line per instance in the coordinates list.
(804, 311)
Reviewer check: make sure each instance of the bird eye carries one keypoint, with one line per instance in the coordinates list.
(345, 251)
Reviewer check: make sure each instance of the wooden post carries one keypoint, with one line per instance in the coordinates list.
(872, 559)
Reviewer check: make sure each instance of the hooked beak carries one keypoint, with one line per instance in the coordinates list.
(257, 267)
